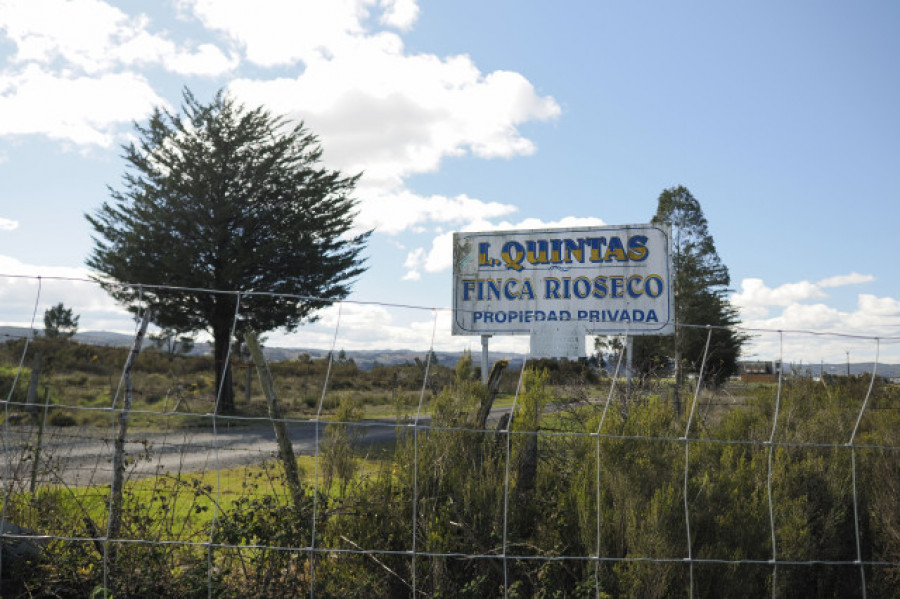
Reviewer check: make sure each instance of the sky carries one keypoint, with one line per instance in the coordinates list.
(780, 117)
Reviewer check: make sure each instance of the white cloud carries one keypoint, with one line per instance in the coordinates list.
(854, 278)
(283, 32)
(94, 37)
(377, 108)
(401, 14)
(413, 263)
(816, 331)
(755, 297)
(7, 224)
(404, 210)
(80, 32)
(26, 290)
(81, 110)
(207, 60)
(392, 115)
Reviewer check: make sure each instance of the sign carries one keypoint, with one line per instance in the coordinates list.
(598, 280)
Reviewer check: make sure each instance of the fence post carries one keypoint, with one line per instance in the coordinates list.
(37, 446)
(285, 448)
(115, 489)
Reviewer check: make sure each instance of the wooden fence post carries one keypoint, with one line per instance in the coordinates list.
(115, 489)
(285, 447)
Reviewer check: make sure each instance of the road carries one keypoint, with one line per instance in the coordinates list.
(82, 456)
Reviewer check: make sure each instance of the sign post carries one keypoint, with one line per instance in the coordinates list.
(484, 358)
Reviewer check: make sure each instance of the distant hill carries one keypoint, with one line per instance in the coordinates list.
(364, 359)
(367, 359)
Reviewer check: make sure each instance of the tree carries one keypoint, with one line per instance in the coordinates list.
(172, 342)
(701, 283)
(224, 198)
(60, 322)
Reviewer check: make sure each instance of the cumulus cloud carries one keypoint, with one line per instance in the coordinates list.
(7, 224)
(377, 108)
(93, 37)
(81, 110)
(405, 210)
(393, 115)
(26, 290)
(282, 32)
(784, 319)
(73, 75)
(854, 278)
(756, 298)
(401, 14)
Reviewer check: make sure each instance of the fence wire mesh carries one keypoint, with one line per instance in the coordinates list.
(414, 479)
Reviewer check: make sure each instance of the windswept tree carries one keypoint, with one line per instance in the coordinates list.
(701, 284)
(219, 199)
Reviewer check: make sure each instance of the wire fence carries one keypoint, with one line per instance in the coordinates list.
(121, 473)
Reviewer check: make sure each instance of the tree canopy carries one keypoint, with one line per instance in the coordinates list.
(227, 198)
(701, 284)
(60, 321)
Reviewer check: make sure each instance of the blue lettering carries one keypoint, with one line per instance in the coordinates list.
(493, 287)
(527, 290)
(637, 248)
(510, 295)
(630, 285)
(468, 288)
(551, 288)
(617, 285)
(581, 287)
(653, 286)
(513, 254)
(615, 251)
(538, 251)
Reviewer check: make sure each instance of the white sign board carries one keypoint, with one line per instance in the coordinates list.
(599, 280)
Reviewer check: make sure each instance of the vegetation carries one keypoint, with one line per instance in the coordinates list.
(512, 507)
(59, 321)
(223, 197)
(701, 283)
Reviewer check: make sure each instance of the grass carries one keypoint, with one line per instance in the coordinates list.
(167, 507)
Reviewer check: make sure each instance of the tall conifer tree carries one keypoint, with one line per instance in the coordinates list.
(227, 198)
(701, 284)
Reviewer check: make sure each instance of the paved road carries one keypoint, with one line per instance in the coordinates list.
(82, 456)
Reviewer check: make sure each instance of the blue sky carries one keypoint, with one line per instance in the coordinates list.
(781, 118)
